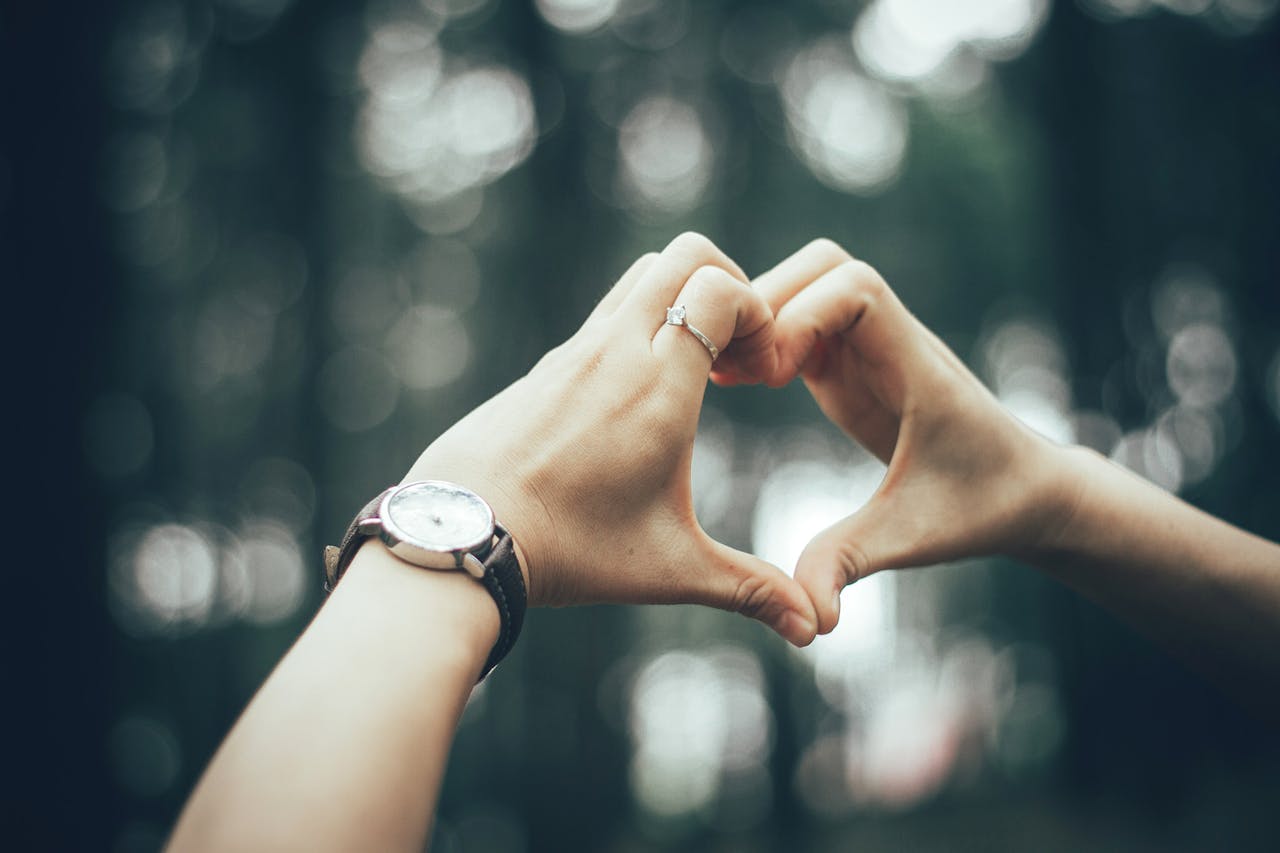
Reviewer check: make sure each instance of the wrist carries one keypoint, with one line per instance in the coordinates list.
(513, 507)
(420, 605)
(1062, 476)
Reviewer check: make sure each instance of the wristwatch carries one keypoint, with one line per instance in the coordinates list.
(440, 525)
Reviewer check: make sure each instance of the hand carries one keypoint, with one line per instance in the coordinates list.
(587, 459)
(964, 476)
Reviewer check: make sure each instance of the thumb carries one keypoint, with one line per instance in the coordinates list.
(763, 592)
(848, 551)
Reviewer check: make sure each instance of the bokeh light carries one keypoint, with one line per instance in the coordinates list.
(430, 347)
(232, 338)
(433, 127)
(1187, 438)
(694, 719)
(454, 10)
(577, 16)
(911, 40)
(665, 155)
(331, 232)
(163, 579)
(1273, 384)
(801, 498)
(711, 475)
(1186, 295)
(1201, 365)
(653, 25)
(1024, 364)
(266, 560)
(846, 127)
(1199, 435)
(154, 60)
(1232, 16)
(1153, 454)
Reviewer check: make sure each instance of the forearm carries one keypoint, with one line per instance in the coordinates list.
(1207, 590)
(345, 745)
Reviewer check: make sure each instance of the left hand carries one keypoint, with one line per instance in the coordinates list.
(586, 459)
(964, 476)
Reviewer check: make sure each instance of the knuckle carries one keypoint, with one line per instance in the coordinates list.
(751, 596)
(645, 261)
(851, 561)
(861, 280)
(825, 247)
(714, 282)
(693, 244)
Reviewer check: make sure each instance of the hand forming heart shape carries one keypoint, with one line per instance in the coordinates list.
(587, 458)
(964, 476)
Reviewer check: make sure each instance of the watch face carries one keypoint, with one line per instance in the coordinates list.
(438, 517)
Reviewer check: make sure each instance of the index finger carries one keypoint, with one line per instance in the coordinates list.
(645, 306)
(794, 273)
(728, 312)
(854, 303)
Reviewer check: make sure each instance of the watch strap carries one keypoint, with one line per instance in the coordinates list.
(505, 582)
(502, 577)
(337, 558)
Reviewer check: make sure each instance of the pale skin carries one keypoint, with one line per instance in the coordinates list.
(965, 478)
(345, 745)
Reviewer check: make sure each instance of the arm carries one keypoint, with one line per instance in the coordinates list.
(965, 478)
(586, 462)
(1208, 591)
(345, 745)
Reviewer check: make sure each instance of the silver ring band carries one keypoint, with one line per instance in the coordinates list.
(676, 317)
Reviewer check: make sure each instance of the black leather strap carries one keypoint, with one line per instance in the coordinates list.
(502, 578)
(505, 582)
(336, 559)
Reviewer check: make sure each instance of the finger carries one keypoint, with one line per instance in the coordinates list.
(793, 274)
(644, 307)
(852, 302)
(763, 592)
(611, 300)
(897, 529)
(728, 312)
(724, 374)
(846, 552)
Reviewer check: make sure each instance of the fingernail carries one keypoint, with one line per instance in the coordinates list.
(835, 604)
(795, 627)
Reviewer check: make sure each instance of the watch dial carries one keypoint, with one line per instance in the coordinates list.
(440, 516)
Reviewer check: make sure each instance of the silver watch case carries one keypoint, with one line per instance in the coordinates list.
(467, 555)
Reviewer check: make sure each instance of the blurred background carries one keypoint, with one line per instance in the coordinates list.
(264, 251)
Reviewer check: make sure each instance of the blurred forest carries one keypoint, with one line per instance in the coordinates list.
(265, 250)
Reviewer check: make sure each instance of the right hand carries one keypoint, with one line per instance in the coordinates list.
(964, 477)
(587, 459)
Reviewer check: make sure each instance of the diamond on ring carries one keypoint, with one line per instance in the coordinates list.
(676, 317)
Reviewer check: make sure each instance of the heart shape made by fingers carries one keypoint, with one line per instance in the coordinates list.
(962, 472)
